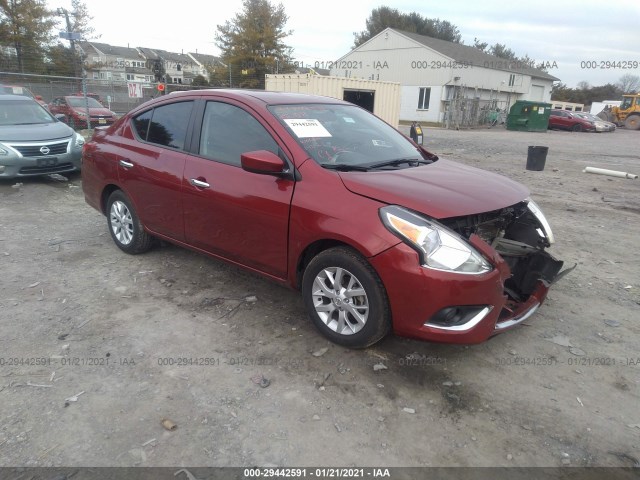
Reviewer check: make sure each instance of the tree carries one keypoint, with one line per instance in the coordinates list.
(199, 81)
(26, 26)
(81, 19)
(501, 51)
(252, 44)
(482, 46)
(60, 61)
(629, 83)
(386, 17)
(584, 93)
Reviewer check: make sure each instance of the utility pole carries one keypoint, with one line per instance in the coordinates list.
(71, 37)
(65, 13)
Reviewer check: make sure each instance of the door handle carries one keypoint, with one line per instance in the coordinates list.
(199, 183)
(126, 164)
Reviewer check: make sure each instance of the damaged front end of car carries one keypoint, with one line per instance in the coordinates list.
(515, 239)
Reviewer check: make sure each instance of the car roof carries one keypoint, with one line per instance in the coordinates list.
(15, 98)
(260, 96)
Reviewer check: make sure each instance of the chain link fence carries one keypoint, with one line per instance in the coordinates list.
(474, 112)
(112, 94)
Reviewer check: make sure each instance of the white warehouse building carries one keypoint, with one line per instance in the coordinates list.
(434, 73)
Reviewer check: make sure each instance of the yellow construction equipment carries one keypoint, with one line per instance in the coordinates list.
(627, 114)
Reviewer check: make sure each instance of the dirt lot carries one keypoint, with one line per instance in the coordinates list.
(105, 333)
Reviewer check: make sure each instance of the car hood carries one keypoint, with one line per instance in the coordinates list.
(39, 132)
(441, 190)
(105, 112)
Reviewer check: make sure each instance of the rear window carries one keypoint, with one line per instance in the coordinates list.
(165, 125)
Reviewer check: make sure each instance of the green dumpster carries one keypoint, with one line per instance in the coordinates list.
(529, 116)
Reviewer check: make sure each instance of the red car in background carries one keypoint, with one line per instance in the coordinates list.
(322, 196)
(74, 109)
(95, 96)
(565, 120)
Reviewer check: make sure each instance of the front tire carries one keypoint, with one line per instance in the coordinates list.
(124, 225)
(345, 298)
(632, 122)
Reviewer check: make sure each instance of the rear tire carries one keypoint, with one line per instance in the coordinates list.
(576, 128)
(124, 225)
(345, 298)
(632, 122)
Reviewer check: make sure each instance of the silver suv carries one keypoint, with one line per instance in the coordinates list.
(34, 142)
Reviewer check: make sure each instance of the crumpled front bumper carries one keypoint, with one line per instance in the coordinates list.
(417, 294)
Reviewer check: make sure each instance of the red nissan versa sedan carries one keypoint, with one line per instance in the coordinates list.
(322, 196)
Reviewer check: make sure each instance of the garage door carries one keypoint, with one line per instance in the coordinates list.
(537, 93)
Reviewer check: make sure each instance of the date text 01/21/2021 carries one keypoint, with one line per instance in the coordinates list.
(570, 361)
(325, 472)
(65, 361)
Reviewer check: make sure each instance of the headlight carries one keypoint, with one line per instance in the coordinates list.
(82, 114)
(3, 151)
(78, 140)
(535, 209)
(439, 248)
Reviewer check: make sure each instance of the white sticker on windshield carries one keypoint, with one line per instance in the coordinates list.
(17, 90)
(307, 127)
(348, 119)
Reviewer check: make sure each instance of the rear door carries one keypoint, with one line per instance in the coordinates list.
(229, 212)
(151, 165)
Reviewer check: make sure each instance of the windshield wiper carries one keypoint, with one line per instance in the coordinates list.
(414, 162)
(343, 167)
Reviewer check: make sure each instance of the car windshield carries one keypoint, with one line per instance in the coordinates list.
(9, 90)
(347, 137)
(79, 102)
(27, 112)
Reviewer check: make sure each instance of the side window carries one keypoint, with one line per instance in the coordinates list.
(141, 124)
(169, 123)
(229, 131)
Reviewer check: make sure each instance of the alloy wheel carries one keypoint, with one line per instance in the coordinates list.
(340, 300)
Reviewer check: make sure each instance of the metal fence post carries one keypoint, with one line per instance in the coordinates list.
(86, 99)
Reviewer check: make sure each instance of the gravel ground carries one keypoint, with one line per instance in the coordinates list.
(92, 342)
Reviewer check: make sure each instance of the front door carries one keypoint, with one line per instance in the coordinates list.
(229, 212)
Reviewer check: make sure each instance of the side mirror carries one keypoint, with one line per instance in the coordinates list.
(263, 162)
(39, 97)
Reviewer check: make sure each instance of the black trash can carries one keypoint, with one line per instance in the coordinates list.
(415, 133)
(536, 157)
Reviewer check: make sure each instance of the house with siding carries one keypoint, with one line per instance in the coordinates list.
(435, 74)
(108, 63)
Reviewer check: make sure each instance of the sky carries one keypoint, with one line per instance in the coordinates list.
(577, 35)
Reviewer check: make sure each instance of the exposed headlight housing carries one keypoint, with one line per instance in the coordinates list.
(438, 247)
(544, 224)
